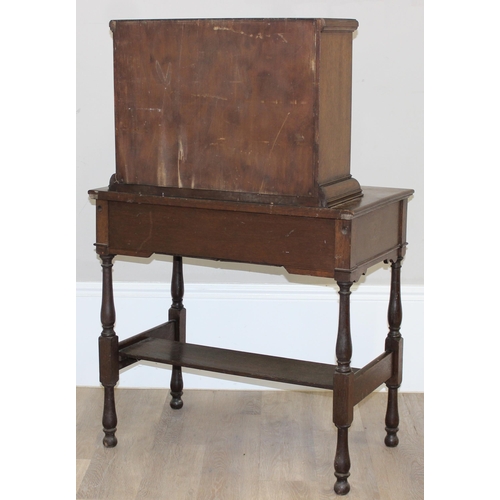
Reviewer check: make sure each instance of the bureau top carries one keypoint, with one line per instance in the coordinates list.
(257, 110)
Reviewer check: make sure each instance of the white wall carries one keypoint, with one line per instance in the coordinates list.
(387, 150)
(387, 130)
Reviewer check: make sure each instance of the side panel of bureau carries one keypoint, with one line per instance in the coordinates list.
(368, 238)
(377, 233)
(335, 75)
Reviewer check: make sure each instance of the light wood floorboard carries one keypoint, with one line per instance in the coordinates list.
(244, 445)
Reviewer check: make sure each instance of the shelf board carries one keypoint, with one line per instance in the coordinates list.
(238, 363)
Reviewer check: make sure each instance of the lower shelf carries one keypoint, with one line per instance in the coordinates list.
(239, 363)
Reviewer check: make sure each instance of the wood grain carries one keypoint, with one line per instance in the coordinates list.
(231, 461)
(117, 472)
(397, 473)
(245, 445)
(81, 469)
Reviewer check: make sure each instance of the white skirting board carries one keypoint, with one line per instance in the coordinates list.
(293, 321)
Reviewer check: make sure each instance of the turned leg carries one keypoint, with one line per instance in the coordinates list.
(108, 353)
(177, 312)
(343, 392)
(394, 344)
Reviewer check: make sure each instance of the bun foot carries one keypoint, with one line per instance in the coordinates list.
(391, 440)
(342, 486)
(176, 402)
(109, 440)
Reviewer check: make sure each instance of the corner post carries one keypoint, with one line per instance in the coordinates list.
(394, 344)
(108, 353)
(177, 312)
(343, 407)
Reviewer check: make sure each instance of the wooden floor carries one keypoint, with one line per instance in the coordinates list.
(243, 445)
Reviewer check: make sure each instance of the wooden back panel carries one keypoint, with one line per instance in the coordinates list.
(226, 106)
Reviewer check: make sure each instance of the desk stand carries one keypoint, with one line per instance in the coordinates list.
(356, 235)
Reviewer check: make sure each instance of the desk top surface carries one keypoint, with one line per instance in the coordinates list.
(373, 198)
